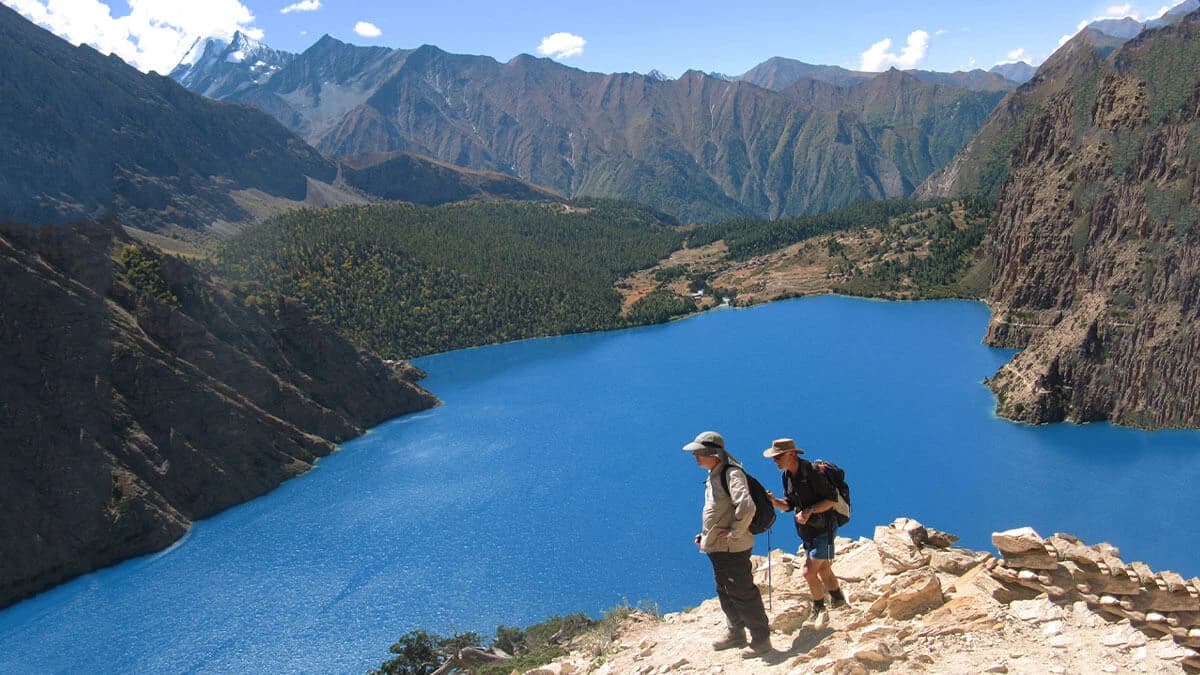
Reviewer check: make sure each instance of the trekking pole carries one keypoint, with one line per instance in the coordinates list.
(769, 590)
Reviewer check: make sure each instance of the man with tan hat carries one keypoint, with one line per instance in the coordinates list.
(810, 495)
(725, 537)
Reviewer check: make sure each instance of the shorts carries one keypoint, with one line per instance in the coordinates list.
(820, 547)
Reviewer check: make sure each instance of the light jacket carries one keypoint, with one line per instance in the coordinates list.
(727, 512)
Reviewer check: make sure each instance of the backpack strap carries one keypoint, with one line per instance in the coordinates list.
(725, 476)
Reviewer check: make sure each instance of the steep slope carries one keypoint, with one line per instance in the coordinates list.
(1096, 242)
(699, 147)
(82, 135)
(139, 394)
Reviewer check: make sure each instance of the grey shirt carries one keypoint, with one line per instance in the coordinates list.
(727, 512)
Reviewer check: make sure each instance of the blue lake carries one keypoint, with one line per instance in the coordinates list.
(551, 481)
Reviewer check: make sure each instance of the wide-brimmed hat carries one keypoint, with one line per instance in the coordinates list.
(707, 443)
(780, 446)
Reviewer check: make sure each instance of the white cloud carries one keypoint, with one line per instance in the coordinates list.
(154, 35)
(561, 45)
(879, 57)
(302, 6)
(367, 29)
(1016, 56)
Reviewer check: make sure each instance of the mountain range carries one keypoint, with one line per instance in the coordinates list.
(83, 136)
(779, 73)
(698, 147)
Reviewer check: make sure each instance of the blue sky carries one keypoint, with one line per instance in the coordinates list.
(613, 36)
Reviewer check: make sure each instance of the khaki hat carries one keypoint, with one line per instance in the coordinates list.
(707, 443)
(780, 446)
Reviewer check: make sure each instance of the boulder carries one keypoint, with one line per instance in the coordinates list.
(978, 582)
(1125, 637)
(953, 561)
(789, 621)
(860, 564)
(916, 530)
(939, 539)
(898, 551)
(1036, 559)
(1038, 610)
(878, 653)
(1020, 540)
(914, 592)
(958, 616)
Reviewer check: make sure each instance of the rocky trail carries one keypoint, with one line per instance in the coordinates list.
(920, 605)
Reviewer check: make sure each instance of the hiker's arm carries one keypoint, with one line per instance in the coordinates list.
(807, 512)
(781, 504)
(823, 489)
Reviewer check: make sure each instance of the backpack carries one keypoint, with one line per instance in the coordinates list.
(764, 510)
(837, 478)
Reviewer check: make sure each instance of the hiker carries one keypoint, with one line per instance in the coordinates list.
(725, 537)
(812, 497)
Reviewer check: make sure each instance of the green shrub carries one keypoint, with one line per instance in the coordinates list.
(143, 271)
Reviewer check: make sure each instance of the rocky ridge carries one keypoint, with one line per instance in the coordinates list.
(140, 394)
(920, 605)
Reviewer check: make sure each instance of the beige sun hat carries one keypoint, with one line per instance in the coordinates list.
(780, 446)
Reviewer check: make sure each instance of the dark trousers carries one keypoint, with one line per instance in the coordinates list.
(740, 599)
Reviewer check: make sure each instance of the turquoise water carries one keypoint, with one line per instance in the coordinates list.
(552, 481)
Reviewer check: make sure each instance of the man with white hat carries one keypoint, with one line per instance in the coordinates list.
(725, 537)
(812, 497)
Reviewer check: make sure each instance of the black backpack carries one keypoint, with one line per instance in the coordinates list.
(764, 510)
(837, 478)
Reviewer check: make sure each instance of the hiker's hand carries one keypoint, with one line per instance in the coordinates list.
(779, 503)
(802, 516)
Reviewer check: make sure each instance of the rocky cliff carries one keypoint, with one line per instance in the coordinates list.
(139, 394)
(919, 605)
(1096, 242)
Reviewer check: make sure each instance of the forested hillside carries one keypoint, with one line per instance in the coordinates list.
(405, 280)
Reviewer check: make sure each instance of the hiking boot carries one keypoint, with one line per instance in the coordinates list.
(757, 648)
(836, 598)
(735, 638)
(818, 614)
